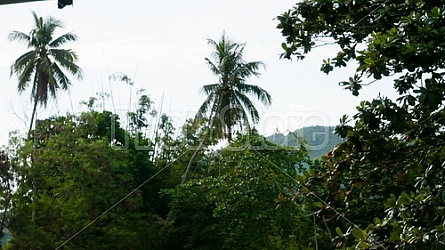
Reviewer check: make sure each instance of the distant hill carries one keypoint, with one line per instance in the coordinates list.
(319, 139)
(5, 238)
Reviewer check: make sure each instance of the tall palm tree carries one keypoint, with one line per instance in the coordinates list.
(228, 103)
(42, 65)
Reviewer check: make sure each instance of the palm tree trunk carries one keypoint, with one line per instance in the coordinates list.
(34, 185)
(199, 148)
(229, 126)
(204, 137)
(189, 165)
(3, 220)
(32, 116)
(34, 94)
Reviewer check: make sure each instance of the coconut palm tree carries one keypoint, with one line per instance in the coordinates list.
(42, 64)
(228, 103)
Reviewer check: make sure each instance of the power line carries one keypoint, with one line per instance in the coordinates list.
(378, 7)
(117, 203)
(317, 197)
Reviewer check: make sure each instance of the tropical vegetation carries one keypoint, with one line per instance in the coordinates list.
(94, 180)
(382, 187)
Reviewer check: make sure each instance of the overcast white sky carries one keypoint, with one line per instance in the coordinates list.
(161, 45)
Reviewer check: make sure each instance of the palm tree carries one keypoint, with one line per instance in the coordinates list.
(227, 103)
(42, 65)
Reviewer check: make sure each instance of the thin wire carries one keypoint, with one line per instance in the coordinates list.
(109, 81)
(374, 10)
(317, 197)
(315, 233)
(117, 203)
(111, 94)
(159, 112)
(354, 25)
(309, 191)
(71, 102)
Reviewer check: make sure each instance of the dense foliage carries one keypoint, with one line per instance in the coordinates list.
(90, 184)
(238, 200)
(382, 187)
(85, 182)
(75, 176)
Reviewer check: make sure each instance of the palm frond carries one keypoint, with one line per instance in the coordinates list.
(262, 95)
(215, 70)
(222, 49)
(24, 76)
(240, 116)
(247, 103)
(212, 43)
(209, 88)
(51, 24)
(68, 37)
(66, 59)
(251, 69)
(22, 62)
(204, 108)
(38, 21)
(52, 84)
(60, 77)
(238, 55)
(19, 36)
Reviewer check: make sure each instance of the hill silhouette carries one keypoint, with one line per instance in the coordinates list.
(318, 139)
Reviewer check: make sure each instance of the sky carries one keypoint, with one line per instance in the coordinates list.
(161, 46)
